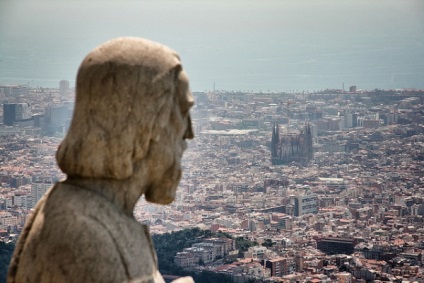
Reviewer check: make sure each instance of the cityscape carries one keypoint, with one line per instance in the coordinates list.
(325, 186)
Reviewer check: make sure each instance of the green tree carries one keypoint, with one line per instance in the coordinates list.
(243, 244)
(267, 243)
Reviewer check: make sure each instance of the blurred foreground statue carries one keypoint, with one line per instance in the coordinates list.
(126, 139)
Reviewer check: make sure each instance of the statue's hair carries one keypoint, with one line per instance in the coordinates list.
(121, 91)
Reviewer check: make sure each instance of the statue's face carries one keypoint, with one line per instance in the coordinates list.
(166, 152)
(131, 119)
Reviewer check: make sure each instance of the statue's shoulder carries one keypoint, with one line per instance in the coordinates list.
(69, 198)
(71, 205)
(73, 236)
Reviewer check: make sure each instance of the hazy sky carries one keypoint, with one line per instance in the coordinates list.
(285, 41)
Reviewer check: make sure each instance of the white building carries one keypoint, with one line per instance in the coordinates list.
(7, 220)
(305, 204)
(22, 200)
(37, 191)
(63, 87)
(256, 252)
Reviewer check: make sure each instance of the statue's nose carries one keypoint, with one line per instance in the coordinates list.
(189, 131)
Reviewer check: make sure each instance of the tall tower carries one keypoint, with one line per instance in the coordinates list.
(9, 113)
(63, 87)
(288, 116)
(308, 141)
(275, 141)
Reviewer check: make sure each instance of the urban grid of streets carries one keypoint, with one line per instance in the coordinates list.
(364, 184)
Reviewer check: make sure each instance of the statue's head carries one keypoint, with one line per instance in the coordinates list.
(131, 117)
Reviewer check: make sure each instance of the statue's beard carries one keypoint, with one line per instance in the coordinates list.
(160, 171)
(163, 190)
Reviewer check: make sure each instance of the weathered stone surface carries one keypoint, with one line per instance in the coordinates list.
(126, 139)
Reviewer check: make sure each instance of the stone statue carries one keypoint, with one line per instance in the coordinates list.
(126, 139)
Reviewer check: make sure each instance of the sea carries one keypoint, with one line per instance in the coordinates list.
(238, 45)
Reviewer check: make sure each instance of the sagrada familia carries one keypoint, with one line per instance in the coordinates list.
(287, 148)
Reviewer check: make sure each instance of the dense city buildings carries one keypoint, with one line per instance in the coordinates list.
(328, 185)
